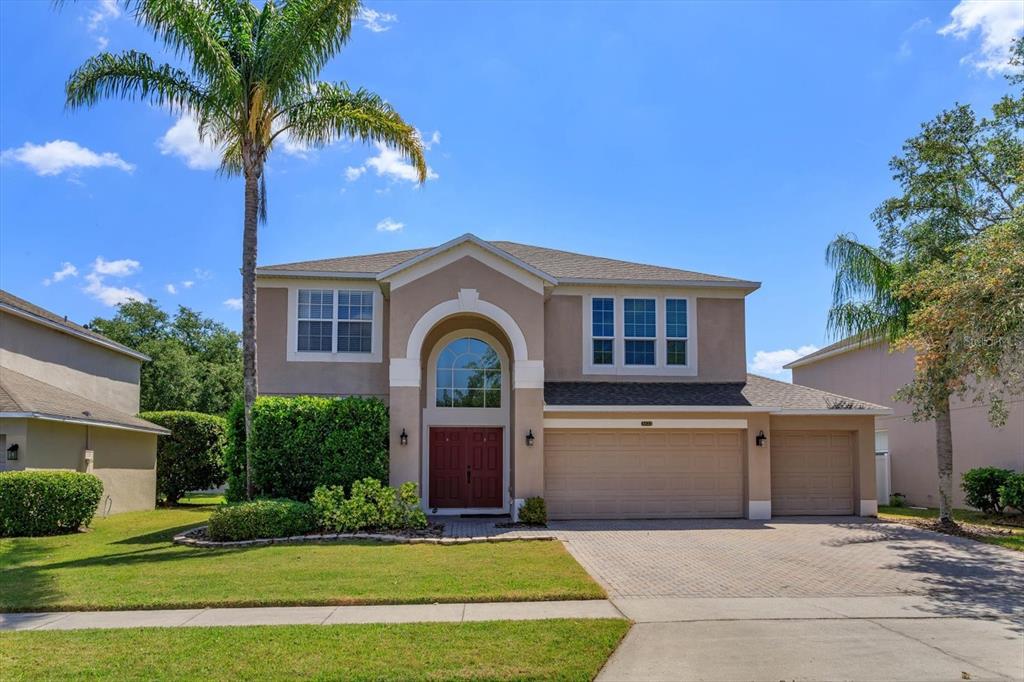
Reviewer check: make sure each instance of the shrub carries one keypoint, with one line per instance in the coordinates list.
(261, 519)
(370, 506)
(981, 488)
(192, 457)
(897, 500)
(234, 453)
(301, 443)
(47, 502)
(1011, 492)
(534, 511)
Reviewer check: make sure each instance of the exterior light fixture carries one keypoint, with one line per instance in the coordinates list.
(529, 439)
(12, 452)
(760, 439)
(404, 438)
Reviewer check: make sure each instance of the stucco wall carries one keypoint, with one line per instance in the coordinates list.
(874, 374)
(721, 342)
(277, 376)
(69, 363)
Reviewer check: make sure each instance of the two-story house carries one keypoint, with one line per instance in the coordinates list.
(68, 400)
(612, 389)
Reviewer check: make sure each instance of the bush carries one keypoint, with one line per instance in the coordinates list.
(897, 500)
(234, 453)
(1011, 492)
(47, 502)
(371, 506)
(301, 443)
(192, 457)
(261, 519)
(534, 511)
(981, 488)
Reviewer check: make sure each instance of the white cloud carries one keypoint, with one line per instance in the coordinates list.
(53, 158)
(202, 275)
(771, 361)
(998, 21)
(116, 268)
(292, 147)
(171, 289)
(389, 225)
(96, 22)
(110, 295)
(188, 284)
(182, 140)
(390, 163)
(102, 42)
(435, 138)
(66, 270)
(376, 21)
(233, 303)
(353, 173)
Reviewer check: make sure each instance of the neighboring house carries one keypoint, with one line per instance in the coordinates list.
(612, 389)
(906, 449)
(68, 400)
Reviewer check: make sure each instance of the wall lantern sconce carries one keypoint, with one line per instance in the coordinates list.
(760, 439)
(12, 452)
(529, 439)
(404, 438)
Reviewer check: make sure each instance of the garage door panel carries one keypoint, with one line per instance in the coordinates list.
(812, 473)
(635, 474)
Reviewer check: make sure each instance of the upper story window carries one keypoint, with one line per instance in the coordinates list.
(320, 323)
(639, 329)
(603, 330)
(675, 331)
(468, 375)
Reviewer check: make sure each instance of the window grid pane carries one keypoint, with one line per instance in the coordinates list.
(675, 318)
(639, 318)
(675, 351)
(468, 374)
(603, 317)
(314, 336)
(316, 304)
(603, 354)
(639, 352)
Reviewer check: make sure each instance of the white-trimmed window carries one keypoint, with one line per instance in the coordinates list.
(602, 315)
(355, 321)
(639, 329)
(468, 375)
(334, 325)
(676, 332)
(316, 320)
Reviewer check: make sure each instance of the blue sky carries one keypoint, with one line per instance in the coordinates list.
(731, 138)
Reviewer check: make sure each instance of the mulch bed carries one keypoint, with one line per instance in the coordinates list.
(963, 529)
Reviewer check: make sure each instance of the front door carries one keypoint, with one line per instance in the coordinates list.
(466, 467)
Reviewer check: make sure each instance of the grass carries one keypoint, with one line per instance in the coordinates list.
(202, 499)
(1011, 537)
(506, 650)
(127, 561)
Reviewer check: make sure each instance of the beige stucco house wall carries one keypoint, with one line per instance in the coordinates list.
(874, 374)
(68, 400)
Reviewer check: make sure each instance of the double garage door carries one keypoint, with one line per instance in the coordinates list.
(623, 474)
(620, 474)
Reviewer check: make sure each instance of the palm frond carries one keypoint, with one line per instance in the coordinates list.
(304, 36)
(133, 75)
(866, 304)
(334, 112)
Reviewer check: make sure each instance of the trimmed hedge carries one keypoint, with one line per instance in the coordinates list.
(47, 502)
(1011, 492)
(534, 511)
(371, 506)
(301, 443)
(192, 457)
(981, 488)
(261, 519)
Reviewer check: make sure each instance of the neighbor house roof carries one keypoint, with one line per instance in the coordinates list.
(23, 396)
(22, 308)
(563, 267)
(755, 394)
(845, 346)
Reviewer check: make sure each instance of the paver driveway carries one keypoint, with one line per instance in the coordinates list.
(805, 599)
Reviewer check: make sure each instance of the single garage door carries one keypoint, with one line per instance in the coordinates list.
(812, 472)
(620, 474)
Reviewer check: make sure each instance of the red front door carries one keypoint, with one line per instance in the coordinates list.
(465, 466)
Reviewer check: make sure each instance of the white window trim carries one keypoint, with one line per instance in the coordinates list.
(660, 366)
(621, 330)
(377, 331)
(590, 330)
(686, 338)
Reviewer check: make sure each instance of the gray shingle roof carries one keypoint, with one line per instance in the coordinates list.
(756, 392)
(847, 344)
(34, 311)
(22, 394)
(562, 265)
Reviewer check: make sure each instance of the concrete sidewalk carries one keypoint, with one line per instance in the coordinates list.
(311, 615)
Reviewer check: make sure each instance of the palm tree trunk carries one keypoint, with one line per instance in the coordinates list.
(252, 203)
(944, 454)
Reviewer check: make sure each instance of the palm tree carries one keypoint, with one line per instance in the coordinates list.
(867, 306)
(252, 78)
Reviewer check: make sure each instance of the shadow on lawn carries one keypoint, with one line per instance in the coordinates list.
(963, 578)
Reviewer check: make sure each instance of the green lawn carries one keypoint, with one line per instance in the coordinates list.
(545, 649)
(1011, 537)
(128, 562)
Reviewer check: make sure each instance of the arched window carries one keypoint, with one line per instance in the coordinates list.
(468, 375)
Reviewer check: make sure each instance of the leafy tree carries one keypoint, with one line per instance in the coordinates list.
(252, 78)
(959, 177)
(196, 362)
